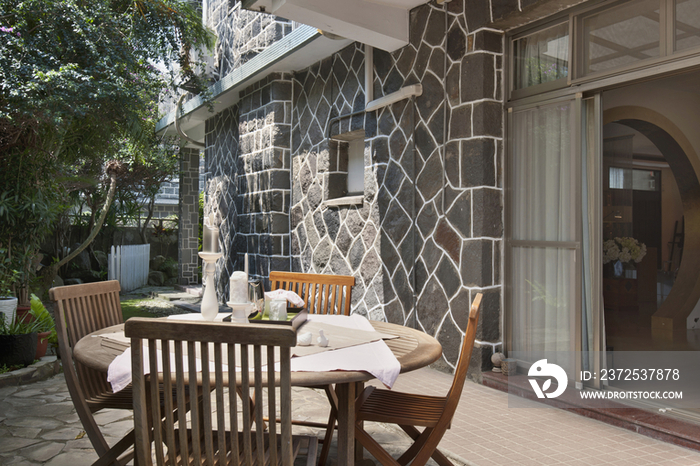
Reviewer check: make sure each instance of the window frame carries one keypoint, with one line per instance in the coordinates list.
(544, 87)
(337, 174)
(575, 16)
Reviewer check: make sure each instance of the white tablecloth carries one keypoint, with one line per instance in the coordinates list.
(375, 357)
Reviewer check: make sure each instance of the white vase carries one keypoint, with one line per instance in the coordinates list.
(8, 307)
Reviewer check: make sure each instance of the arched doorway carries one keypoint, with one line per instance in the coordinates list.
(652, 194)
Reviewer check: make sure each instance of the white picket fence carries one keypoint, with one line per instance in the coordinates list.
(129, 265)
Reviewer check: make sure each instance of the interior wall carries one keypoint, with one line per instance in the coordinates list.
(666, 109)
(671, 211)
(676, 98)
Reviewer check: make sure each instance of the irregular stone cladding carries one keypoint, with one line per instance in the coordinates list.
(248, 157)
(221, 169)
(242, 34)
(188, 214)
(429, 233)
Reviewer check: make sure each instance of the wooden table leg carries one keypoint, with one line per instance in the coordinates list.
(346, 423)
(359, 449)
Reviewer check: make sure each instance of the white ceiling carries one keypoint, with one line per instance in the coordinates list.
(379, 23)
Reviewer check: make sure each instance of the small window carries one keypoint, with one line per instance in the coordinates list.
(346, 168)
(541, 57)
(356, 167)
(632, 178)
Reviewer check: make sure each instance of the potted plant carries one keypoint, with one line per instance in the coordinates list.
(8, 277)
(18, 342)
(46, 327)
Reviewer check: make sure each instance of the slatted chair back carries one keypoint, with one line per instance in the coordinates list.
(322, 293)
(199, 355)
(78, 311)
(409, 410)
(465, 357)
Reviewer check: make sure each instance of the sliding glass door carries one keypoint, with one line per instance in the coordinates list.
(551, 304)
(544, 244)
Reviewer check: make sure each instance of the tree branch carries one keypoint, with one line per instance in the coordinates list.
(98, 224)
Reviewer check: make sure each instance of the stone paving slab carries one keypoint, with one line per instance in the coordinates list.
(46, 367)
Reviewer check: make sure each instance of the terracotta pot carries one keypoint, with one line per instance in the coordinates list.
(42, 344)
(24, 314)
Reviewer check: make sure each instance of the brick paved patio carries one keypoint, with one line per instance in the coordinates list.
(38, 425)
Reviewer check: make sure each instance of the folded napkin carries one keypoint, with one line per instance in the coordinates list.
(375, 358)
(290, 296)
(338, 337)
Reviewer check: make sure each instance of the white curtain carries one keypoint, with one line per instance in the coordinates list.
(544, 210)
(592, 238)
(542, 57)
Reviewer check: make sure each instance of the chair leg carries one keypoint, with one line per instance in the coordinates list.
(328, 438)
(112, 456)
(414, 433)
(251, 401)
(374, 448)
(330, 426)
(311, 450)
(419, 439)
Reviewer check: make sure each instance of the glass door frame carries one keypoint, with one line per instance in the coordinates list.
(579, 88)
(575, 245)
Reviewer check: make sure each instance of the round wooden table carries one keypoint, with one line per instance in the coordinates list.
(413, 349)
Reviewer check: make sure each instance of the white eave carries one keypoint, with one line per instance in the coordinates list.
(298, 50)
(379, 23)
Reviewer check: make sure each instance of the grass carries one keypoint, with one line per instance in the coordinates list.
(4, 368)
(148, 307)
(134, 308)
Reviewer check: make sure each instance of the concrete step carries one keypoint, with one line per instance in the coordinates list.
(176, 296)
(195, 290)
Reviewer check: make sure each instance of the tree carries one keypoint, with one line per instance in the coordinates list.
(78, 78)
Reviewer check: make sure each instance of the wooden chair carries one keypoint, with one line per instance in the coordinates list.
(80, 310)
(207, 441)
(323, 294)
(410, 411)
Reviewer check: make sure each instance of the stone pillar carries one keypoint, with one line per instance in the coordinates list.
(188, 213)
(478, 163)
(263, 174)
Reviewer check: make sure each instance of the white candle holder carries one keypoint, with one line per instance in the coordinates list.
(240, 312)
(210, 303)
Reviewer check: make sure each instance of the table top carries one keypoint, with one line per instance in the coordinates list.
(413, 349)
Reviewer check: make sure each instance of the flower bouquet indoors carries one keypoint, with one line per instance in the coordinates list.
(622, 251)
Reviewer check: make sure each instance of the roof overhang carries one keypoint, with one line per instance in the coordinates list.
(298, 50)
(379, 23)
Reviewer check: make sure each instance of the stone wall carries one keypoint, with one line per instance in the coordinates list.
(264, 183)
(188, 214)
(428, 235)
(335, 240)
(242, 34)
(221, 171)
(247, 156)
(428, 232)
